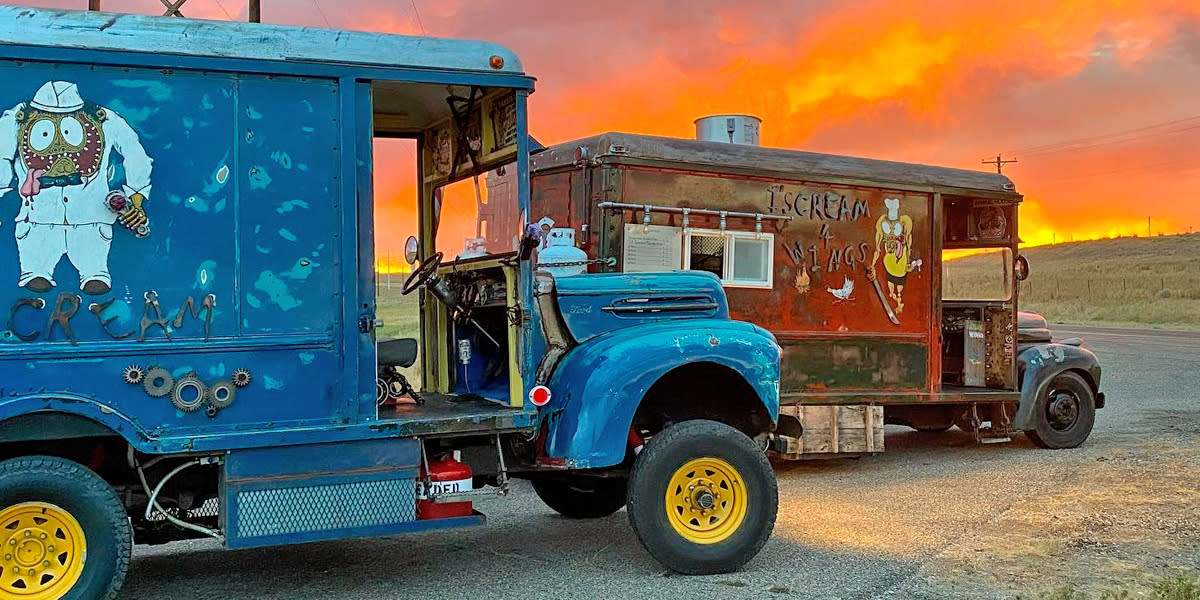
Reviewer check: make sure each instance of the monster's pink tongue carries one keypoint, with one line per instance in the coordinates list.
(32, 185)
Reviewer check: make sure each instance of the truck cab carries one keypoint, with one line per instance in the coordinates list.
(199, 343)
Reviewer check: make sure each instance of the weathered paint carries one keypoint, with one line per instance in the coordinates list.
(593, 305)
(599, 385)
(258, 255)
(1040, 363)
(813, 368)
(225, 39)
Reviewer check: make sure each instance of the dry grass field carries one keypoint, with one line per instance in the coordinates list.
(1138, 282)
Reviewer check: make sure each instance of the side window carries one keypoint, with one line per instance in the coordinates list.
(706, 252)
(738, 258)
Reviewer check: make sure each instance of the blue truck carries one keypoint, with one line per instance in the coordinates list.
(192, 343)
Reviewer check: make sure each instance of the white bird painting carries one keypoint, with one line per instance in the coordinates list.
(843, 293)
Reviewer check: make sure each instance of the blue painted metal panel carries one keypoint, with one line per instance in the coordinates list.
(592, 305)
(599, 385)
(256, 41)
(318, 491)
(289, 198)
(238, 178)
(316, 459)
(358, 220)
(420, 526)
(262, 67)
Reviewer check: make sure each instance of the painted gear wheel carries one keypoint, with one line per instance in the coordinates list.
(133, 374)
(158, 382)
(189, 393)
(221, 394)
(241, 377)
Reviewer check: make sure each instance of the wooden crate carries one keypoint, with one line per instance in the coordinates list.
(832, 430)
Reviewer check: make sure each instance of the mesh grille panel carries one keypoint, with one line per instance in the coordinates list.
(707, 244)
(325, 507)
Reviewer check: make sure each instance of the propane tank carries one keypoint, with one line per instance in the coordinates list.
(561, 258)
(447, 475)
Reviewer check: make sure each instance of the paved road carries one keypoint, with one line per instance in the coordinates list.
(877, 527)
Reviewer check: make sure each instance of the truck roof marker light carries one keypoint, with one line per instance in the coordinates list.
(581, 156)
(496, 61)
(539, 395)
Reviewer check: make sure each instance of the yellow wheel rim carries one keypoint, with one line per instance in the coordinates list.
(706, 500)
(42, 553)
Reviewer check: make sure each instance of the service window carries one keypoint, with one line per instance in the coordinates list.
(977, 275)
(738, 258)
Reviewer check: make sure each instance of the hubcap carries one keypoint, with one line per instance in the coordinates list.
(1062, 410)
(42, 554)
(706, 500)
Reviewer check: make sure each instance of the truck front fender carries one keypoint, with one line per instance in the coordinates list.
(598, 386)
(1040, 363)
(22, 418)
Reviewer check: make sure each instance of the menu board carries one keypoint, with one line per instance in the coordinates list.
(652, 248)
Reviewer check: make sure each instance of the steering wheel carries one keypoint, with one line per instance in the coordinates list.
(418, 278)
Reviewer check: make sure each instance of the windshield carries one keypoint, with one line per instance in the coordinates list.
(479, 215)
(977, 274)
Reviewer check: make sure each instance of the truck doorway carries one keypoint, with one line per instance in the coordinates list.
(398, 339)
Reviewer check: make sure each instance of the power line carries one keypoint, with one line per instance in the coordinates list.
(1166, 167)
(322, 13)
(1090, 141)
(417, 14)
(1126, 140)
(222, 7)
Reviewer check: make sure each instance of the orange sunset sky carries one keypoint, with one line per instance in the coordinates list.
(1099, 100)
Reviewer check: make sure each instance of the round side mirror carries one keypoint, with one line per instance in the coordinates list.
(1021, 268)
(410, 250)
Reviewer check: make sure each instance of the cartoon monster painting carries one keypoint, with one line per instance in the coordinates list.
(60, 152)
(893, 241)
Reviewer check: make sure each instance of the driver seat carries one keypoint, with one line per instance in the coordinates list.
(399, 352)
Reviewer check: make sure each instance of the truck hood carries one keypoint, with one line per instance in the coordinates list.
(594, 304)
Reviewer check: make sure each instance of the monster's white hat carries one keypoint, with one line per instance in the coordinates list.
(57, 97)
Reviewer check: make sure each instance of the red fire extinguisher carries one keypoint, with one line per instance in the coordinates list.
(446, 476)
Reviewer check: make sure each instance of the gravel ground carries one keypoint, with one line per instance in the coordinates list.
(936, 516)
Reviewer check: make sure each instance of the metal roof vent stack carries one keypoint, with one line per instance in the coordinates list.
(729, 129)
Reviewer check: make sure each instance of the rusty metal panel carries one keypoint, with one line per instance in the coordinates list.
(999, 336)
(817, 367)
(850, 259)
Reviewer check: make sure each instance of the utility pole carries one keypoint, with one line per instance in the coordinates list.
(1147, 226)
(999, 162)
(255, 11)
(93, 4)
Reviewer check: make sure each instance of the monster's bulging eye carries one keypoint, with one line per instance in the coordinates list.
(72, 131)
(41, 134)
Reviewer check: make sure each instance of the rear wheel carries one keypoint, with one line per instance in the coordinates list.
(63, 532)
(581, 496)
(702, 498)
(1064, 414)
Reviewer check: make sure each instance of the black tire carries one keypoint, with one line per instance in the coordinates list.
(664, 455)
(1064, 414)
(581, 496)
(81, 493)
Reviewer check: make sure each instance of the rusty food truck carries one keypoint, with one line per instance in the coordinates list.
(192, 341)
(847, 262)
